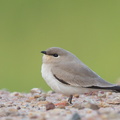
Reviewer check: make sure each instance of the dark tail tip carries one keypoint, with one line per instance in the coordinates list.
(113, 88)
(116, 88)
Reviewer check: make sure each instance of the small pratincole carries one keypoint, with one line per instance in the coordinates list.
(66, 74)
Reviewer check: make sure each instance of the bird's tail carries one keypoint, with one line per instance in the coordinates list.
(116, 88)
(112, 88)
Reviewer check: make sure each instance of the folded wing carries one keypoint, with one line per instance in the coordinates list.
(78, 75)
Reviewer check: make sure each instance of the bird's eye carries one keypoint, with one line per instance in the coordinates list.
(55, 55)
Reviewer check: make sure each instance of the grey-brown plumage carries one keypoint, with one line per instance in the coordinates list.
(70, 74)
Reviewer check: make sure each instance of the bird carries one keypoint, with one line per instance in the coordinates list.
(67, 74)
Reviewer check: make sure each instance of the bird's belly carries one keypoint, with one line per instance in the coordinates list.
(58, 86)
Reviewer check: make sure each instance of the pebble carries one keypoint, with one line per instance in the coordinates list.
(78, 106)
(101, 94)
(2, 105)
(108, 93)
(18, 108)
(29, 99)
(103, 104)
(33, 117)
(38, 105)
(76, 116)
(44, 95)
(94, 107)
(76, 95)
(9, 105)
(12, 112)
(41, 98)
(51, 92)
(62, 104)
(16, 94)
(36, 90)
(36, 95)
(115, 100)
(42, 102)
(50, 106)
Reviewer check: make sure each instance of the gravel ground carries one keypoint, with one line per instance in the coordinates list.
(38, 105)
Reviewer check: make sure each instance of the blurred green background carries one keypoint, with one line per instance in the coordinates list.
(88, 28)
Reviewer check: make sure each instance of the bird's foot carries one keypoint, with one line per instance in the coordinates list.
(70, 99)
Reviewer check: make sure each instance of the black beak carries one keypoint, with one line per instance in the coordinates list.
(44, 52)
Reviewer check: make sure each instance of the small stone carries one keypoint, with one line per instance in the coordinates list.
(104, 117)
(76, 116)
(34, 117)
(61, 106)
(17, 94)
(42, 103)
(11, 112)
(9, 105)
(50, 92)
(36, 90)
(94, 107)
(2, 105)
(103, 104)
(36, 95)
(76, 95)
(50, 106)
(115, 100)
(90, 105)
(8, 118)
(43, 95)
(41, 98)
(108, 93)
(30, 99)
(101, 94)
(18, 108)
(63, 103)
(88, 111)
(78, 106)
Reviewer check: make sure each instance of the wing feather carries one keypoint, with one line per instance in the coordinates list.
(79, 75)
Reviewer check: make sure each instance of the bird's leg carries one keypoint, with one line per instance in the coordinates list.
(70, 99)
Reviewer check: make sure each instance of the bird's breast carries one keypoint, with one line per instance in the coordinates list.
(49, 78)
(46, 73)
